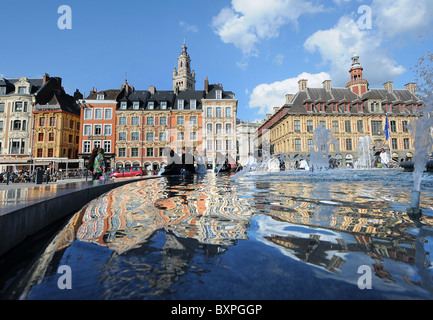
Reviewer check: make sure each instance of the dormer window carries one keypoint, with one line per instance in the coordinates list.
(135, 105)
(193, 104)
(180, 104)
(22, 90)
(402, 107)
(123, 105)
(309, 107)
(334, 107)
(150, 105)
(219, 94)
(163, 105)
(360, 107)
(2, 91)
(346, 107)
(100, 97)
(321, 106)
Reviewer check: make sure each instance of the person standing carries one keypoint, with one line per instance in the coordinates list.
(384, 159)
(99, 165)
(92, 161)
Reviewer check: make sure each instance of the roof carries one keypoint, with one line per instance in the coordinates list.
(35, 84)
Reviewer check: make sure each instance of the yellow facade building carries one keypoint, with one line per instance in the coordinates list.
(348, 116)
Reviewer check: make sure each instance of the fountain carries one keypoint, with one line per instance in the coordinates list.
(421, 131)
(365, 157)
(319, 152)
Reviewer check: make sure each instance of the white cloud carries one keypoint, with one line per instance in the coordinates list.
(338, 44)
(188, 27)
(247, 22)
(269, 95)
(398, 17)
(278, 59)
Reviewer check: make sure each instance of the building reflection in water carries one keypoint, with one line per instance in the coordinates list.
(154, 228)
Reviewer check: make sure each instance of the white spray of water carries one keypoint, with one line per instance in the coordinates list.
(319, 153)
(365, 156)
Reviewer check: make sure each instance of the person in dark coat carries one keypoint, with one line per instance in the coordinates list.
(92, 159)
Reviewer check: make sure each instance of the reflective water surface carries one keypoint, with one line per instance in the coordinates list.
(290, 235)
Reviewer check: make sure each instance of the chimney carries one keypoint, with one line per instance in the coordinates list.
(152, 89)
(388, 86)
(276, 109)
(206, 85)
(411, 87)
(327, 85)
(289, 97)
(46, 78)
(303, 85)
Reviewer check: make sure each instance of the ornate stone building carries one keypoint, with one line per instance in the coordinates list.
(350, 113)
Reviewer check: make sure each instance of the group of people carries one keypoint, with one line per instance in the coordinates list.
(187, 163)
(97, 163)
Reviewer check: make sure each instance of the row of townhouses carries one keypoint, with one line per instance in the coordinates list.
(40, 124)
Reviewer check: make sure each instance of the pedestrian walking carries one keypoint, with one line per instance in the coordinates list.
(99, 165)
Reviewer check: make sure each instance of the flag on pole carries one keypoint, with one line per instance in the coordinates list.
(387, 131)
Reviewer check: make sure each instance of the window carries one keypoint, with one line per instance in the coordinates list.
(193, 104)
(41, 136)
(218, 128)
(297, 126)
(136, 105)
(134, 152)
(228, 128)
(108, 114)
(209, 128)
(218, 145)
(50, 153)
(347, 126)
(149, 152)
(18, 107)
(98, 114)
(321, 106)
(122, 121)
(193, 136)
(394, 143)
(107, 146)
(297, 144)
(309, 144)
(123, 105)
(150, 105)
(180, 120)
(346, 107)
(107, 130)
(99, 97)
(322, 123)
(393, 126)
(86, 146)
(2, 91)
(334, 107)
(335, 127)
(228, 145)
(193, 120)
(135, 121)
(209, 112)
(180, 104)
(360, 126)
(405, 126)
(406, 144)
(135, 136)
(88, 114)
(52, 121)
(162, 136)
(98, 129)
(229, 112)
(39, 153)
(348, 144)
(149, 136)
(122, 152)
(180, 136)
(376, 128)
(16, 125)
(51, 136)
(22, 90)
(122, 136)
(87, 129)
(360, 107)
(218, 94)
(309, 106)
(310, 127)
(2, 107)
(150, 121)
(163, 105)
(209, 145)
(163, 121)
(97, 143)
(218, 112)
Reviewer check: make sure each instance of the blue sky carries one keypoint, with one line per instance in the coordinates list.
(257, 49)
